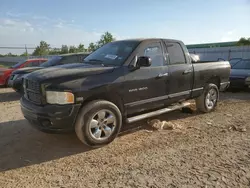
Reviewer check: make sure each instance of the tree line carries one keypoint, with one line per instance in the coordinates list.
(44, 48)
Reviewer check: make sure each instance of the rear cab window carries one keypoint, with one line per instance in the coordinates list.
(175, 53)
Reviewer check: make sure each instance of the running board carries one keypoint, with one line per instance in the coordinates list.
(157, 112)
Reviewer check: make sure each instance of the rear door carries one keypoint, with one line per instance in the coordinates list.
(145, 88)
(180, 72)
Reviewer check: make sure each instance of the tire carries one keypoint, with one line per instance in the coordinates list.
(6, 82)
(91, 115)
(202, 104)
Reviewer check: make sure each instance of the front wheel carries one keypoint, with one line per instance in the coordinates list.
(209, 98)
(98, 123)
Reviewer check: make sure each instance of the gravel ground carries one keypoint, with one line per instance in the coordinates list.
(203, 150)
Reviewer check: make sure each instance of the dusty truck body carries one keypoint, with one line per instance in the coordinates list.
(121, 82)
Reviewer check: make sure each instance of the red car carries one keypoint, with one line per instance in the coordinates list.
(6, 72)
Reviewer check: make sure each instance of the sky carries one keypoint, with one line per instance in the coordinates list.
(58, 22)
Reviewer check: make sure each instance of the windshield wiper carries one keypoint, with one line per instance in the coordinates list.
(98, 60)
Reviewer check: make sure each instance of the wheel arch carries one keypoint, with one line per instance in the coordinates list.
(111, 97)
(214, 80)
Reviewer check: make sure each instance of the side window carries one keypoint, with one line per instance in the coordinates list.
(32, 64)
(69, 59)
(243, 64)
(175, 53)
(35, 63)
(154, 51)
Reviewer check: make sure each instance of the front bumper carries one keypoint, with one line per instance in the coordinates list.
(2, 81)
(239, 83)
(50, 118)
(224, 86)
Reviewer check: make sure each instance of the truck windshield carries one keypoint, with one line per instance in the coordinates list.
(18, 64)
(114, 53)
(52, 62)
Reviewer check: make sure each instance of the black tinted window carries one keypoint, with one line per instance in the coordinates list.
(52, 62)
(69, 59)
(32, 64)
(175, 53)
(242, 64)
(234, 61)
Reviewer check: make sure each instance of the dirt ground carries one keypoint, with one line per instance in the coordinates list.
(203, 150)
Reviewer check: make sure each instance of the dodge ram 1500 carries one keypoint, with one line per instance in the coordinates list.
(121, 82)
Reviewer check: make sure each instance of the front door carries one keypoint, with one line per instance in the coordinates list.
(180, 72)
(145, 88)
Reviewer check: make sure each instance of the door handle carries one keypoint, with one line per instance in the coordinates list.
(162, 75)
(187, 71)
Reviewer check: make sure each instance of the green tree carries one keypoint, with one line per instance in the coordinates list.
(64, 49)
(105, 38)
(42, 49)
(11, 55)
(243, 41)
(92, 47)
(25, 54)
(81, 48)
(72, 49)
(55, 51)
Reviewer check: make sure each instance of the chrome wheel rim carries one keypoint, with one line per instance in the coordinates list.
(211, 98)
(102, 125)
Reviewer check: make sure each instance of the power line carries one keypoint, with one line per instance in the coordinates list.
(16, 48)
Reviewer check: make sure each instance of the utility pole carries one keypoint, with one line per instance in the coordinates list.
(27, 55)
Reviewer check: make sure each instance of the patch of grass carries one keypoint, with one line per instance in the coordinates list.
(3, 66)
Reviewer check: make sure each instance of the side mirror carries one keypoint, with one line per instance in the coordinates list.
(144, 61)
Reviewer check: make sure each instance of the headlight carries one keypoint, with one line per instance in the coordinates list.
(248, 79)
(54, 97)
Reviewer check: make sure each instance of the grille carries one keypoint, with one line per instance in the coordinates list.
(33, 91)
(32, 85)
(34, 97)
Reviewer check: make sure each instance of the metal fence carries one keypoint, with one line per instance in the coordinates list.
(205, 54)
(223, 53)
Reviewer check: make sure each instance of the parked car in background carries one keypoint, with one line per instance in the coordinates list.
(232, 61)
(240, 74)
(121, 82)
(5, 73)
(15, 80)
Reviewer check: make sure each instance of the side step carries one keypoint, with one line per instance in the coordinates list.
(157, 112)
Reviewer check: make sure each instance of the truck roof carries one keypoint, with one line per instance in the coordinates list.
(149, 39)
(78, 53)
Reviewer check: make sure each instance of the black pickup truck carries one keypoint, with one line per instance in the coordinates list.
(121, 82)
(16, 77)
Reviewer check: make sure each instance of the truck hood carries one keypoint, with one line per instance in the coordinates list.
(68, 72)
(239, 73)
(27, 70)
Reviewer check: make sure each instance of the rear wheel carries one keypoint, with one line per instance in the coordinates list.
(209, 98)
(98, 123)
